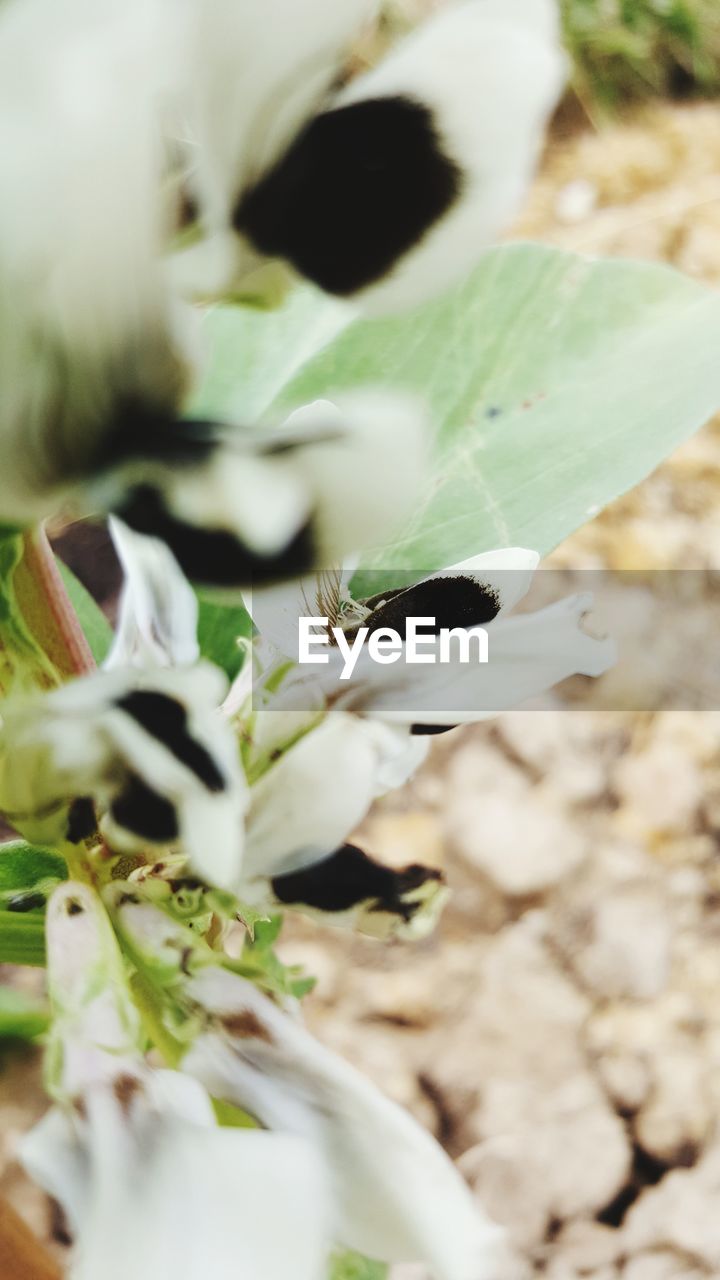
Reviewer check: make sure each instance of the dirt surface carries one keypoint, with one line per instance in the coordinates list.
(561, 1032)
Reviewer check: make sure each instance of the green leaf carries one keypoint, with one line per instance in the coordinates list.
(351, 1266)
(555, 383)
(231, 1117)
(266, 931)
(220, 628)
(95, 625)
(250, 918)
(24, 866)
(253, 354)
(22, 938)
(20, 1017)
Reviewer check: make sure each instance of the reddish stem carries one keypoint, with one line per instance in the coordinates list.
(47, 610)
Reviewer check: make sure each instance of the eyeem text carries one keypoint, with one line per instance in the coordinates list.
(423, 643)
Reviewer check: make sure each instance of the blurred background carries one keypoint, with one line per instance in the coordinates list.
(560, 1033)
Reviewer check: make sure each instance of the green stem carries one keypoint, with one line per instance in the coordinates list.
(22, 939)
(150, 1009)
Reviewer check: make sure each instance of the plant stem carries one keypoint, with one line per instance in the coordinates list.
(22, 939)
(47, 610)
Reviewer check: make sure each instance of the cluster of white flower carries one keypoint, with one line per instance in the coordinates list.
(162, 785)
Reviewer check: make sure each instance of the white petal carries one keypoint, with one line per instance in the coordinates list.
(79, 261)
(266, 505)
(411, 171)
(157, 1189)
(508, 572)
(308, 803)
(491, 73)
(256, 71)
(89, 739)
(528, 655)
(397, 1197)
(359, 502)
(54, 1158)
(157, 623)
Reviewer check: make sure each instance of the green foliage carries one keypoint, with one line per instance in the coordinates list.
(21, 1018)
(95, 625)
(220, 629)
(641, 48)
(24, 867)
(22, 938)
(28, 875)
(253, 354)
(351, 1266)
(260, 963)
(556, 384)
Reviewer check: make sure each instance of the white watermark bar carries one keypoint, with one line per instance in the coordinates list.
(422, 644)
(460, 645)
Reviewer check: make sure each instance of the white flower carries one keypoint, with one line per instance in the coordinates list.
(256, 73)
(151, 1186)
(319, 790)
(158, 613)
(125, 117)
(383, 191)
(404, 176)
(395, 1194)
(528, 654)
(302, 811)
(239, 506)
(151, 749)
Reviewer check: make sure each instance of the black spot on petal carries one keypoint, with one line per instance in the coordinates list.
(453, 601)
(348, 878)
(166, 719)
(146, 814)
(142, 432)
(81, 820)
(213, 556)
(357, 189)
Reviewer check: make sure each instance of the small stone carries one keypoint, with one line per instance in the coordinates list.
(523, 847)
(680, 1213)
(511, 1187)
(661, 790)
(678, 1114)
(534, 1167)
(618, 942)
(404, 998)
(626, 1078)
(660, 1265)
(588, 1245)
(401, 838)
(576, 201)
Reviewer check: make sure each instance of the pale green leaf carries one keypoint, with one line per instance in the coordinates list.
(95, 625)
(253, 354)
(554, 383)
